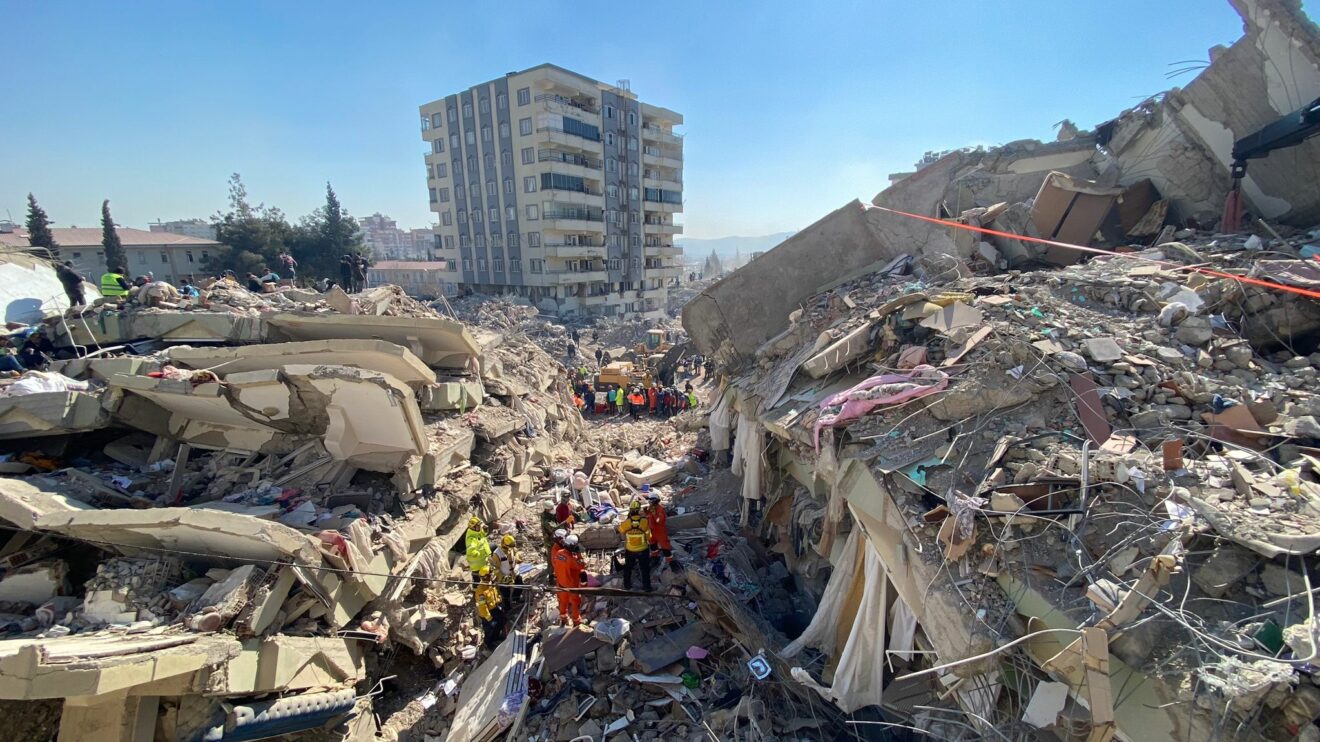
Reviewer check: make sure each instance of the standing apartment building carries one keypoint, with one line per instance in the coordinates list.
(559, 188)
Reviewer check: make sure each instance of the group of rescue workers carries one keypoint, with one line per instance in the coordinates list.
(495, 571)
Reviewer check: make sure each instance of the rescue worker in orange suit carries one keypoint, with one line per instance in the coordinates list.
(636, 546)
(656, 518)
(570, 572)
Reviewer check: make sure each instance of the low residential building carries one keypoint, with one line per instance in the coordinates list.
(559, 188)
(167, 256)
(199, 228)
(425, 279)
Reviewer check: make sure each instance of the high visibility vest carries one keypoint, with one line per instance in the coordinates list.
(110, 285)
(478, 549)
(634, 532)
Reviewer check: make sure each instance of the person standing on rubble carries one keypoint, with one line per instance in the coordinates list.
(346, 272)
(548, 525)
(590, 398)
(114, 285)
(657, 519)
(490, 608)
(653, 399)
(478, 546)
(637, 546)
(609, 399)
(636, 402)
(691, 398)
(72, 283)
(506, 560)
(565, 513)
(360, 266)
(570, 572)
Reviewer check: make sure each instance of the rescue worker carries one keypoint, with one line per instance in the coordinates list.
(548, 526)
(506, 562)
(570, 572)
(636, 402)
(652, 397)
(565, 513)
(637, 546)
(691, 399)
(489, 608)
(478, 547)
(114, 286)
(656, 518)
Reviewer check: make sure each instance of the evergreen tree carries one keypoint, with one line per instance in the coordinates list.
(324, 236)
(252, 236)
(114, 250)
(38, 227)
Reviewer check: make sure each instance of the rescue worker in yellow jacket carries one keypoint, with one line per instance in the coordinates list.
(114, 285)
(636, 546)
(506, 563)
(490, 608)
(478, 546)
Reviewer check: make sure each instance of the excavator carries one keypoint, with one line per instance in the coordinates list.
(1287, 131)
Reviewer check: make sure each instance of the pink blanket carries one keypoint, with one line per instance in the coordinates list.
(877, 391)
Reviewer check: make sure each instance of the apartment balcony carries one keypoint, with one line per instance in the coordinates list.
(656, 134)
(566, 106)
(568, 163)
(662, 157)
(589, 218)
(662, 207)
(657, 294)
(573, 252)
(658, 228)
(572, 141)
(662, 251)
(663, 182)
(594, 301)
(576, 198)
(564, 278)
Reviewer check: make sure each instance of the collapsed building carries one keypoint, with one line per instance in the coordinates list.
(1062, 485)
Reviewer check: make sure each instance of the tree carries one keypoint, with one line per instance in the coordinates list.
(252, 236)
(324, 236)
(114, 249)
(712, 268)
(38, 227)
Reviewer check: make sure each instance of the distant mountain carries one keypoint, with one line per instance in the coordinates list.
(726, 247)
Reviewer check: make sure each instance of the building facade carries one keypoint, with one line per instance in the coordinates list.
(199, 228)
(558, 188)
(424, 279)
(382, 236)
(167, 256)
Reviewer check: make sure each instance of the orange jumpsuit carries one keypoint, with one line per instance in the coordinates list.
(656, 518)
(568, 573)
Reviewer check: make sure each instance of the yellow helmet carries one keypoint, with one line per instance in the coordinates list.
(508, 539)
(484, 571)
(474, 523)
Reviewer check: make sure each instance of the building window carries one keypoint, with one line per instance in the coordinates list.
(632, 118)
(142, 258)
(481, 265)
(632, 144)
(190, 256)
(491, 189)
(533, 239)
(447, 219)
(609, 112)
(504, 129)
(494, 214)
(497, 240)
(485, 105)
(449, 245)
(490, 160)
(508, 186)
(467, 110)
(470, 138)
(614, 264)
(437, 146)
(485, 134)
(510, 213)
(609, 138)
(612, 191)
(524, 96)
(515, 265)
(464, 241)
(506, 158)
(499, 263)
(467, 264)
(453, 141)
(632, 168)
(632, 193)
(528, 156)
(77, 255)
(451, 265)
(474, 190)
(611, 165)
(501, 101)
(525, 126)
(472, 164)
(442, 170)
(462, 217)
(538, 265)
(513, 239)
(533, 213)
(437, 120)
(479, 240)
(529, 184)
(635, 217)
(453, 113)
(476, 216)
(205, 256)
(444, 195)
(433, 198)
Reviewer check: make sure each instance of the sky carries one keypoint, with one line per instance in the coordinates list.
(791, 108)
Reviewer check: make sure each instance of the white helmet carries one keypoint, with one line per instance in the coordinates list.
(560, 533)
(547, 504)
(571, 539)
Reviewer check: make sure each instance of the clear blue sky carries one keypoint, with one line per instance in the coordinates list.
(792, 108)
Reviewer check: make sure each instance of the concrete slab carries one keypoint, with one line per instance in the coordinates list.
(115, 327)
(24, 501)
(50, 413)
(289, 663)
(669, 648)
(440, 343)
(372, 355)
(93, 665)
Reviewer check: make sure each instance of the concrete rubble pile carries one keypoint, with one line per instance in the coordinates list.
(1039, 491)
(222, 521)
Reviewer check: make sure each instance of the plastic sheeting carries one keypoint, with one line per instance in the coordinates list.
(877, 391)
(37, 382)
(721, 420)
(849, 625)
